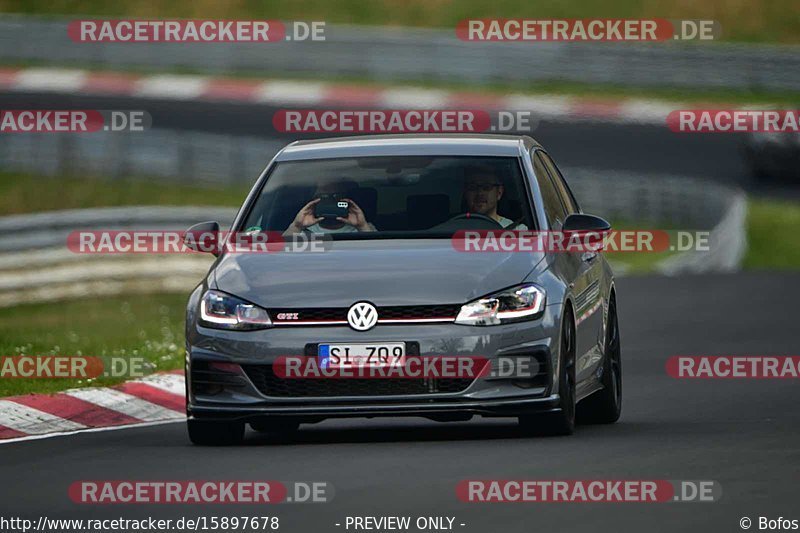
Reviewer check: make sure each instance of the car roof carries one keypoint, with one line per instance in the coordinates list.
(408, 144)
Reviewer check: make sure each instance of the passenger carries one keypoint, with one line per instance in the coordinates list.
(307, 219)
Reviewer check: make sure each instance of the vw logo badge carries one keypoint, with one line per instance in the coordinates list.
(362, 316)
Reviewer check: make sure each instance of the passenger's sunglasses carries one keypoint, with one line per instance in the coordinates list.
(483, 187)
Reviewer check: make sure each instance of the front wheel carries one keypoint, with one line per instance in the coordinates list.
(204, 433)
(561, 422)
(605, 405)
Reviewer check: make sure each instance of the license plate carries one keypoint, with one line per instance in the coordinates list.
(372, 355)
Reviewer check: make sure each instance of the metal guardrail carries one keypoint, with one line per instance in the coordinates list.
(727, 243)
(392, 54)
(210, 158)
(36, 266)
(193, 157)
(50, 229)
(674, 201)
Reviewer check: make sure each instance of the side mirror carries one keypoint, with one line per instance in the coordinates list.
(583, 222)
(203, 237)
(592, 227)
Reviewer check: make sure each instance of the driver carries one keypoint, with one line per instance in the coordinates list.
(482, 191)
(306, 218)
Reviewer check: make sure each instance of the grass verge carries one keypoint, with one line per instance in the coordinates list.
(637, 263)
(21, 193)
(773, 230)
(147, 326)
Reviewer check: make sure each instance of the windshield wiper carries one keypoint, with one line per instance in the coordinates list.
(376, 235)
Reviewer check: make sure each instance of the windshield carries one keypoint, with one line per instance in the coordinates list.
(406, 196)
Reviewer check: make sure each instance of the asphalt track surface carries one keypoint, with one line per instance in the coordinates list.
(745, 434)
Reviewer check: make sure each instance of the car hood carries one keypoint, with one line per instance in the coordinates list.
(386, 273)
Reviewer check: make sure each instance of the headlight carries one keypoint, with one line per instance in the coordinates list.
(524, 302)
(223, 311)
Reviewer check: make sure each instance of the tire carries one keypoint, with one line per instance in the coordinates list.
(275, 426)
(205, 433)
(561, 422)
(605, 406)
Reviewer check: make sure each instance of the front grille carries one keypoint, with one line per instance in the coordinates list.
(312, 313)
(416, 312)
(269, 384)
(401, 312)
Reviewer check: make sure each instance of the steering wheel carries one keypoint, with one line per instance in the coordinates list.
(474, 216)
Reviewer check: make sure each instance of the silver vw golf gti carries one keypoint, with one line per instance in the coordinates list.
(389, 286)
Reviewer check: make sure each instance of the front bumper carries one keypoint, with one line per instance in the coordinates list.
(443, 410)
(236, 396)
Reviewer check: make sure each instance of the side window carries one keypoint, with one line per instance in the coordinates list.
(561, 185)
(553, 208)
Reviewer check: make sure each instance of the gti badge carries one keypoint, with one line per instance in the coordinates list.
(362, 316)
